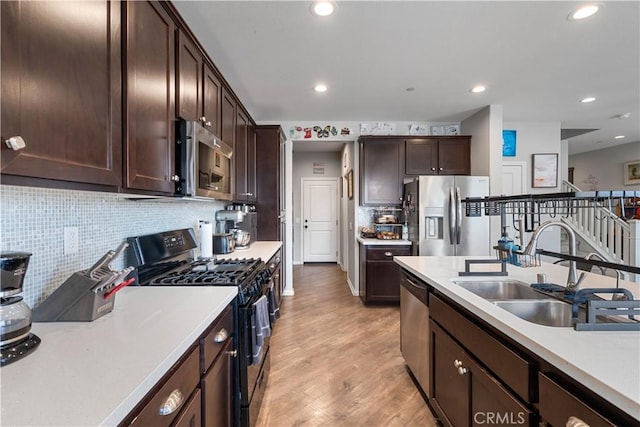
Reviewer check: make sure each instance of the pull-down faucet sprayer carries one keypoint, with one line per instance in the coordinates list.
(572, 280)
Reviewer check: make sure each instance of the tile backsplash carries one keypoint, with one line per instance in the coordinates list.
(33, 220)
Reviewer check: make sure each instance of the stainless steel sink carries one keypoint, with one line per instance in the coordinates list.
(543, 312)
(501, 289)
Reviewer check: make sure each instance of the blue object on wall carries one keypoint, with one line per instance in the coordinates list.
(508, 143)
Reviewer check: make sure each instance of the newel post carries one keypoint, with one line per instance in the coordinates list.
(634, 247)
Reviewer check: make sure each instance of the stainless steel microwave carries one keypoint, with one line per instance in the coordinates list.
(203, 163)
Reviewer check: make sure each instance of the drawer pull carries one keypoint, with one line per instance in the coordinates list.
(221, 336)
(575, 422)
(172, 403)
(388, 253)
(232, 353)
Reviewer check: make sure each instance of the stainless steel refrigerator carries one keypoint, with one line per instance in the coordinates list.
(436, 218)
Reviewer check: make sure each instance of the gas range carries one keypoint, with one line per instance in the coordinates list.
(247, 274)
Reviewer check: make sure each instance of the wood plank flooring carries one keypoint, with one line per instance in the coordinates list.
(335, 362)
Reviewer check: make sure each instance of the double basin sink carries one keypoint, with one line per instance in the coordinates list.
(523, 301)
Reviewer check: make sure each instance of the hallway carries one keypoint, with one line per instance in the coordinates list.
(335, 362)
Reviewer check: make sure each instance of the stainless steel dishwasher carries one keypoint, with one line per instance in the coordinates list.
(414, 328)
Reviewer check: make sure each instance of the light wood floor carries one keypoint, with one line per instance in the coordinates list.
(335, 362)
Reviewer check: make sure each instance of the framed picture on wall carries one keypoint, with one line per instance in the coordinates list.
(545, 170)
(508, 143)
(632, 173)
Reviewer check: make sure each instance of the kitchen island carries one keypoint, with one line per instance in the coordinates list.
(605, 362)
(95, 373)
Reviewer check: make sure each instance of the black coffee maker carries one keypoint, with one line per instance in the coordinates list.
(16, 339)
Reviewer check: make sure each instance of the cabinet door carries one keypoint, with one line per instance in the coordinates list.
(269, 181)
(228, 118)
(450, 387)
(217, 387)
(191, 414)
(240, 156)
(150, 119)
(212, 92)
(382, 172)
(189, 78)
(454, 156)
(421, 157)
(251, 165)
(61, 90)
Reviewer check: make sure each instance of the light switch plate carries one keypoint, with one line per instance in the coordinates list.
(71, 237)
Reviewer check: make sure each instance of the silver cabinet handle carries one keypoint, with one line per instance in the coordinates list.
(575, 422)
(205, 122)
(232, 353)
(441, 169)
(457, 363)
(172, 403)
(246, 194)
(433, 169)
(15, 143)
(175, 178)
(221, 336)
(388, 253)
(462, 370)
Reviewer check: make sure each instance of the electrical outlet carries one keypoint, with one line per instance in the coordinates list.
(71, 240)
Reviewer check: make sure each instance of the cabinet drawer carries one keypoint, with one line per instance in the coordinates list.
(177, 389)
(215, 340)
(507, 365)
(387, 252)
(557, 406)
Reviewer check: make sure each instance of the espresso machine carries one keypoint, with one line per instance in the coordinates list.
(16, 340)
(235, 222)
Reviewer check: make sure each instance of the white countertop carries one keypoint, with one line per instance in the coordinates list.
(263, 249)
(606, 362)
(94, 373)
(369, 242)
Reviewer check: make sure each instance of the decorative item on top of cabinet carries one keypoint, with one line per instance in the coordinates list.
(149, 121)
(379, 274)
(442, 155)
(382, 172)
(73, 132)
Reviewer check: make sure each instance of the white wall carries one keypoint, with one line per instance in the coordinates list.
(303, 167)
(605, 166)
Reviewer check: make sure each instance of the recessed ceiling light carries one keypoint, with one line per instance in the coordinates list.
(410, 89)
(618, 137)
(584, 12)
(320, 87)
(588, 99)
(478, 89)
(623, 116)
(323, 8)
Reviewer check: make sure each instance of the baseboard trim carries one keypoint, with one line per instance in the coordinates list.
(353, 288)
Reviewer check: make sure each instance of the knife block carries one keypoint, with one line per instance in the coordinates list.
(74, 301)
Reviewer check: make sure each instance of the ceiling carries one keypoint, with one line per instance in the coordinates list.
(535, 62)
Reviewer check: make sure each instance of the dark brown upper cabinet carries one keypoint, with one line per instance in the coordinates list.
(212, 93)
(189, 73)
(245, 159)
(228, 117)
(442, 155)
(61, 92)
(150, 97)
(382, 171)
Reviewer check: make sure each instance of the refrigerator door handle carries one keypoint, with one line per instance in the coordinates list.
(452, 217)
(458, 215)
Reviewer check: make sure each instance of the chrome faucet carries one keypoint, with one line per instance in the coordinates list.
(604, 270)
(572, 280)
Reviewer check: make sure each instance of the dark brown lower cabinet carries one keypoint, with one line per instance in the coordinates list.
(466, 394)
(379, 274)
(191, 415)
(216, 386)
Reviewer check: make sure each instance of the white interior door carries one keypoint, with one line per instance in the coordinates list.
(514, 178)
(319, 219)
